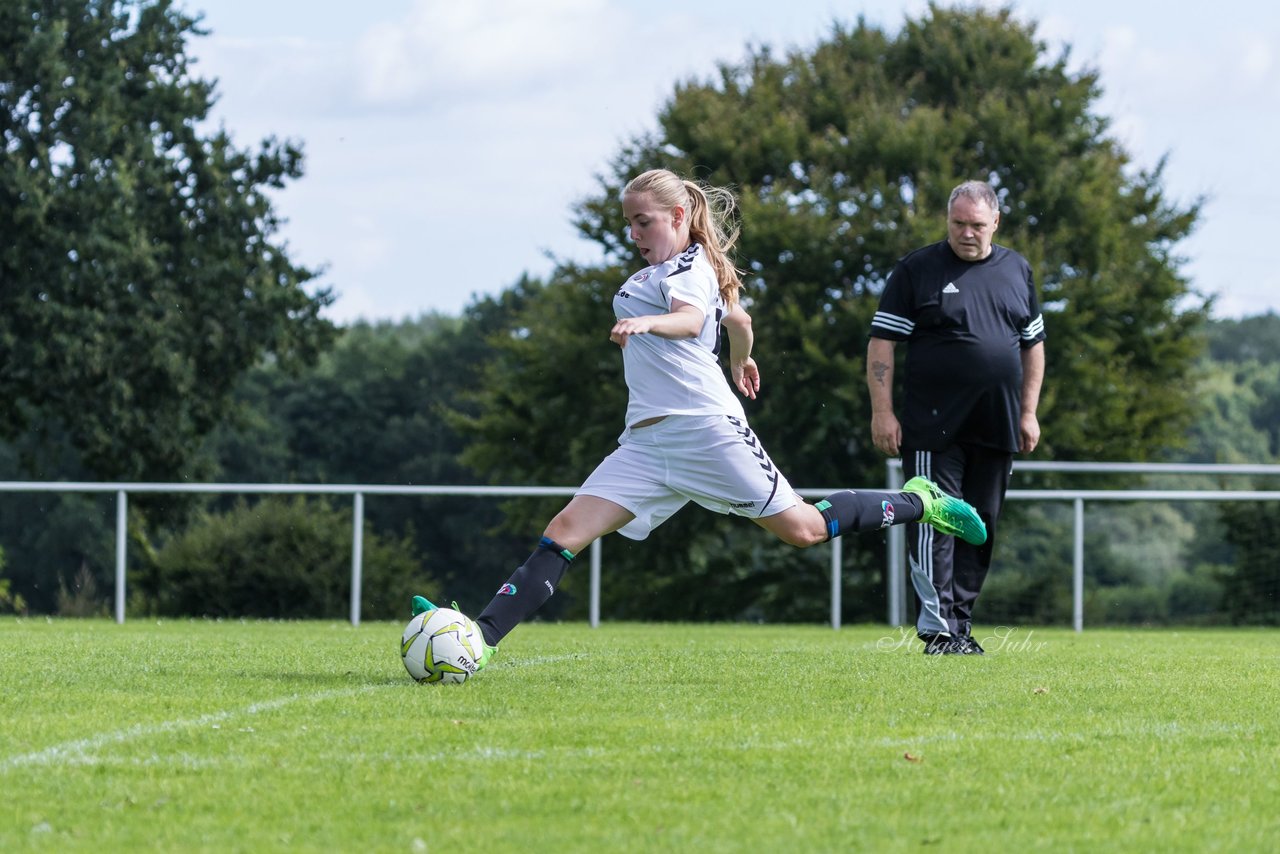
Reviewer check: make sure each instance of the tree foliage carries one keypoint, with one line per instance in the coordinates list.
(1239, 392)
(1249, 339)
(140, 276)
(1240, 423)
(555, 425)
(380, 408)
(1239, 413)
(1253, 581)
(843, 156)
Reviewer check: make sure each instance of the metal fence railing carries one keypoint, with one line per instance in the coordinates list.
(896, 570)
(357, 492)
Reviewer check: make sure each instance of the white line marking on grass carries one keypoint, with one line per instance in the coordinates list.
(79, 751)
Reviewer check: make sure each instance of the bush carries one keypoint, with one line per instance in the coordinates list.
(1126, 604)
(283, 558)
(1012, 598)
(1196, 597)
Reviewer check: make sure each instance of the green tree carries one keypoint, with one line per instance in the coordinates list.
(844, 156)
(1253, 581)
(1240, 423)
(377, 409)
(140, 274)
(1238, 418)
(1255, 338)
(52, 540)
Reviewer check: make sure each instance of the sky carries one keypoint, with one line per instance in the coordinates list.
(446, 143)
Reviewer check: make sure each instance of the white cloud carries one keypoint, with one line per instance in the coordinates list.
(1256, 58)
(495, 49)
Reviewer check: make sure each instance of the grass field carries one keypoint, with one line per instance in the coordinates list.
(255, 736)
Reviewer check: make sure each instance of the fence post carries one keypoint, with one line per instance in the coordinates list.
(594, 602)
(357, 555)
(896, 546)
(1077, 568)
(122, 550)
(837, 551)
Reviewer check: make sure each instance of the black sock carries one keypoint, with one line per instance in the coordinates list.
(525, 591)
(853, 512)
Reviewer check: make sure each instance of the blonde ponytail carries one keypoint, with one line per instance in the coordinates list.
(711, 223)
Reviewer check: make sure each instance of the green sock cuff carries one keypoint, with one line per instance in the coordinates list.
(552, 546)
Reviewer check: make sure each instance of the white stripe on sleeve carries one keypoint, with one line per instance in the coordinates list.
(893, 323)
(1032, 330)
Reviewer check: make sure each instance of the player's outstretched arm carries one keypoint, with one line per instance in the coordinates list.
(683, 321)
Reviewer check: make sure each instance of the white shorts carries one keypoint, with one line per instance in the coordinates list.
(714, 460)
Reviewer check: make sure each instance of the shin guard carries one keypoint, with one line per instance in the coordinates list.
(854, 512)
(531, 585)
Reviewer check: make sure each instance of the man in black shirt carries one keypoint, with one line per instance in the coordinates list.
(975, 361)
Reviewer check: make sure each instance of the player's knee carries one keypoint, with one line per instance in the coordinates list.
(801, 526)
(567, 526)
(803, 536)
(563, 534)
(812, 538)
(556, 530)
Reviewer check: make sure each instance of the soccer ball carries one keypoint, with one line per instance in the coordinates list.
(441, 645)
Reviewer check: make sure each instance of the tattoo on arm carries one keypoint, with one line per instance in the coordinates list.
(879, 369)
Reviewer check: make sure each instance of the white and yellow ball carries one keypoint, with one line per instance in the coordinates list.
(441, 645)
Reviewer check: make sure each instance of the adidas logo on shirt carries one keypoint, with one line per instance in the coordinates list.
(951, 288)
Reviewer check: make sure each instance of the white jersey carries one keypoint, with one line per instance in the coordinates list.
(675, 377)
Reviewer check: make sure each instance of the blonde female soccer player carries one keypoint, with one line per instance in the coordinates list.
(687, 437)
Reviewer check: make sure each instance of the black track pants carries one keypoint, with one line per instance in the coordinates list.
(947, 572)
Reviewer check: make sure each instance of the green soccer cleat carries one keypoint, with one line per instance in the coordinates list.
(489, 652)
(946, 513)
(421, 605)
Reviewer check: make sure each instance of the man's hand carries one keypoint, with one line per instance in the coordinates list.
(886, 433)
(1030, 432)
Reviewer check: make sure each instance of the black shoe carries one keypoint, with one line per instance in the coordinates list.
(938, 644)
(966, 645)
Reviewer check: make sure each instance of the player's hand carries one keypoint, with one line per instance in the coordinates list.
(746, 377)
(886, 433)
(628, 326)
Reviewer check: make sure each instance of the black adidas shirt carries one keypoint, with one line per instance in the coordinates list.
(966, 323)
